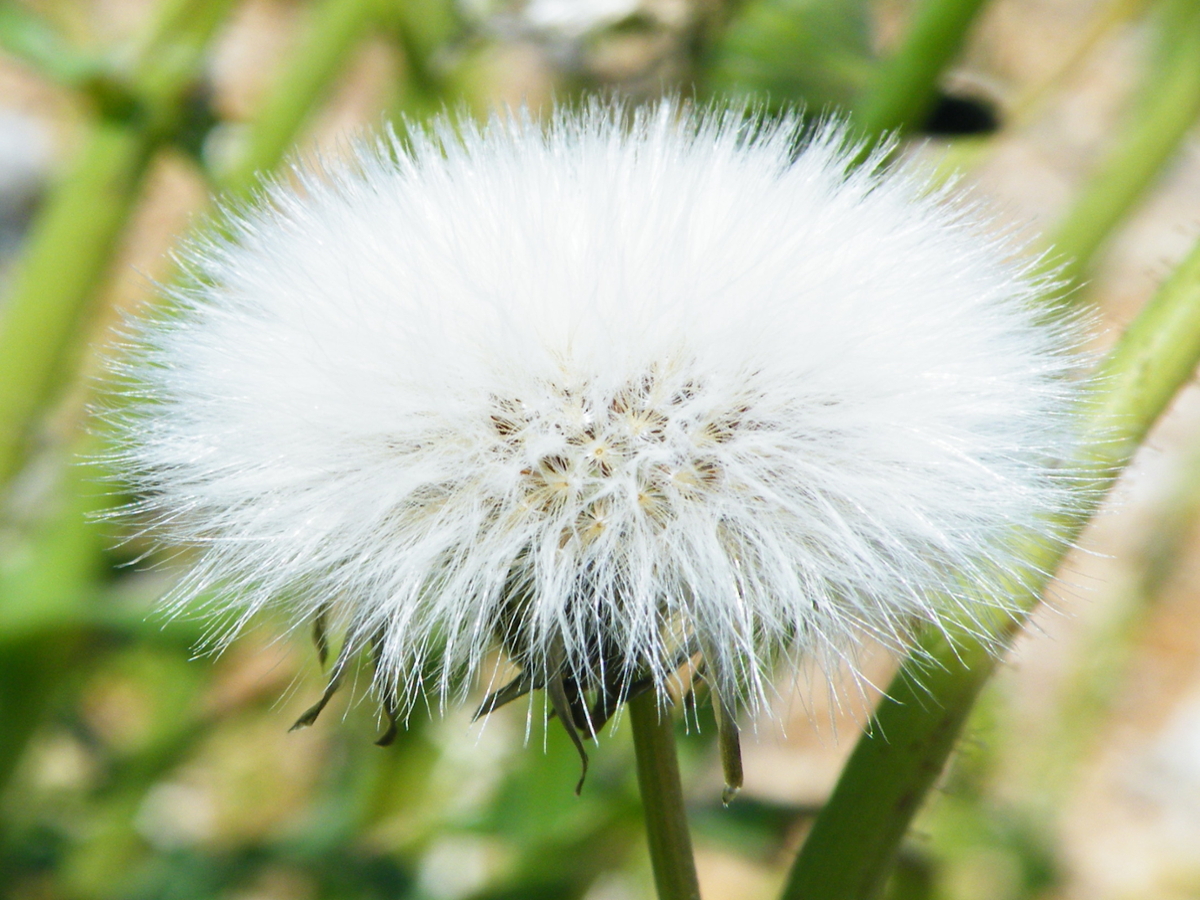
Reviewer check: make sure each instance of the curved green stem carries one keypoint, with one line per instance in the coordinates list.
(1166, 110)
(662, 800)
(855, 839)
(902, 88)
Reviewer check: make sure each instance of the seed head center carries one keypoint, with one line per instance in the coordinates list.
(600, 460)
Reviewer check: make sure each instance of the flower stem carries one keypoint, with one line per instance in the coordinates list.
(902, 89)
(662, 800)
(852, 845)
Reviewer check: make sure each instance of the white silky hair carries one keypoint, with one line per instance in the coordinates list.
(604, 391)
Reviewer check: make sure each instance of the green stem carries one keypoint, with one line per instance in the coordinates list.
(856, 837)
(662, 800)
(901, 90)
(334, 29)
(1166, 110)
(68, 252)
(76, 233)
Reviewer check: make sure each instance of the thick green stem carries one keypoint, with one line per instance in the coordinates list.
(334, 29)
(73, 238)
(902, 89)
(68, 252)
(662, 800)
(1167, 108)
(855, 839)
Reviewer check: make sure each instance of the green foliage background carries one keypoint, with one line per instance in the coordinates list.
(130, 769)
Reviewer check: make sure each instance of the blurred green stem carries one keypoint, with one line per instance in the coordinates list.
(74, 236)
(901, 90)
(854, 841)
(1165, 110)
(69, 248)
(334, 29)
(662, 799)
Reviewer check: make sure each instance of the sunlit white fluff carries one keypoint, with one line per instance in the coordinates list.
(604, 394)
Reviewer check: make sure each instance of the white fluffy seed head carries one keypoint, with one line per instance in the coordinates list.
(605, 393)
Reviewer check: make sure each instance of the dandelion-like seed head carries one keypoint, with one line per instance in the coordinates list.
(612, 393)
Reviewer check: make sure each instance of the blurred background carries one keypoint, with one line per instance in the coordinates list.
(132, 768)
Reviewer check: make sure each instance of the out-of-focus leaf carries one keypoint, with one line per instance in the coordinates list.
(538, 802)
(45, 583)
(814, 52)
(36, 42)
(562, 841)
